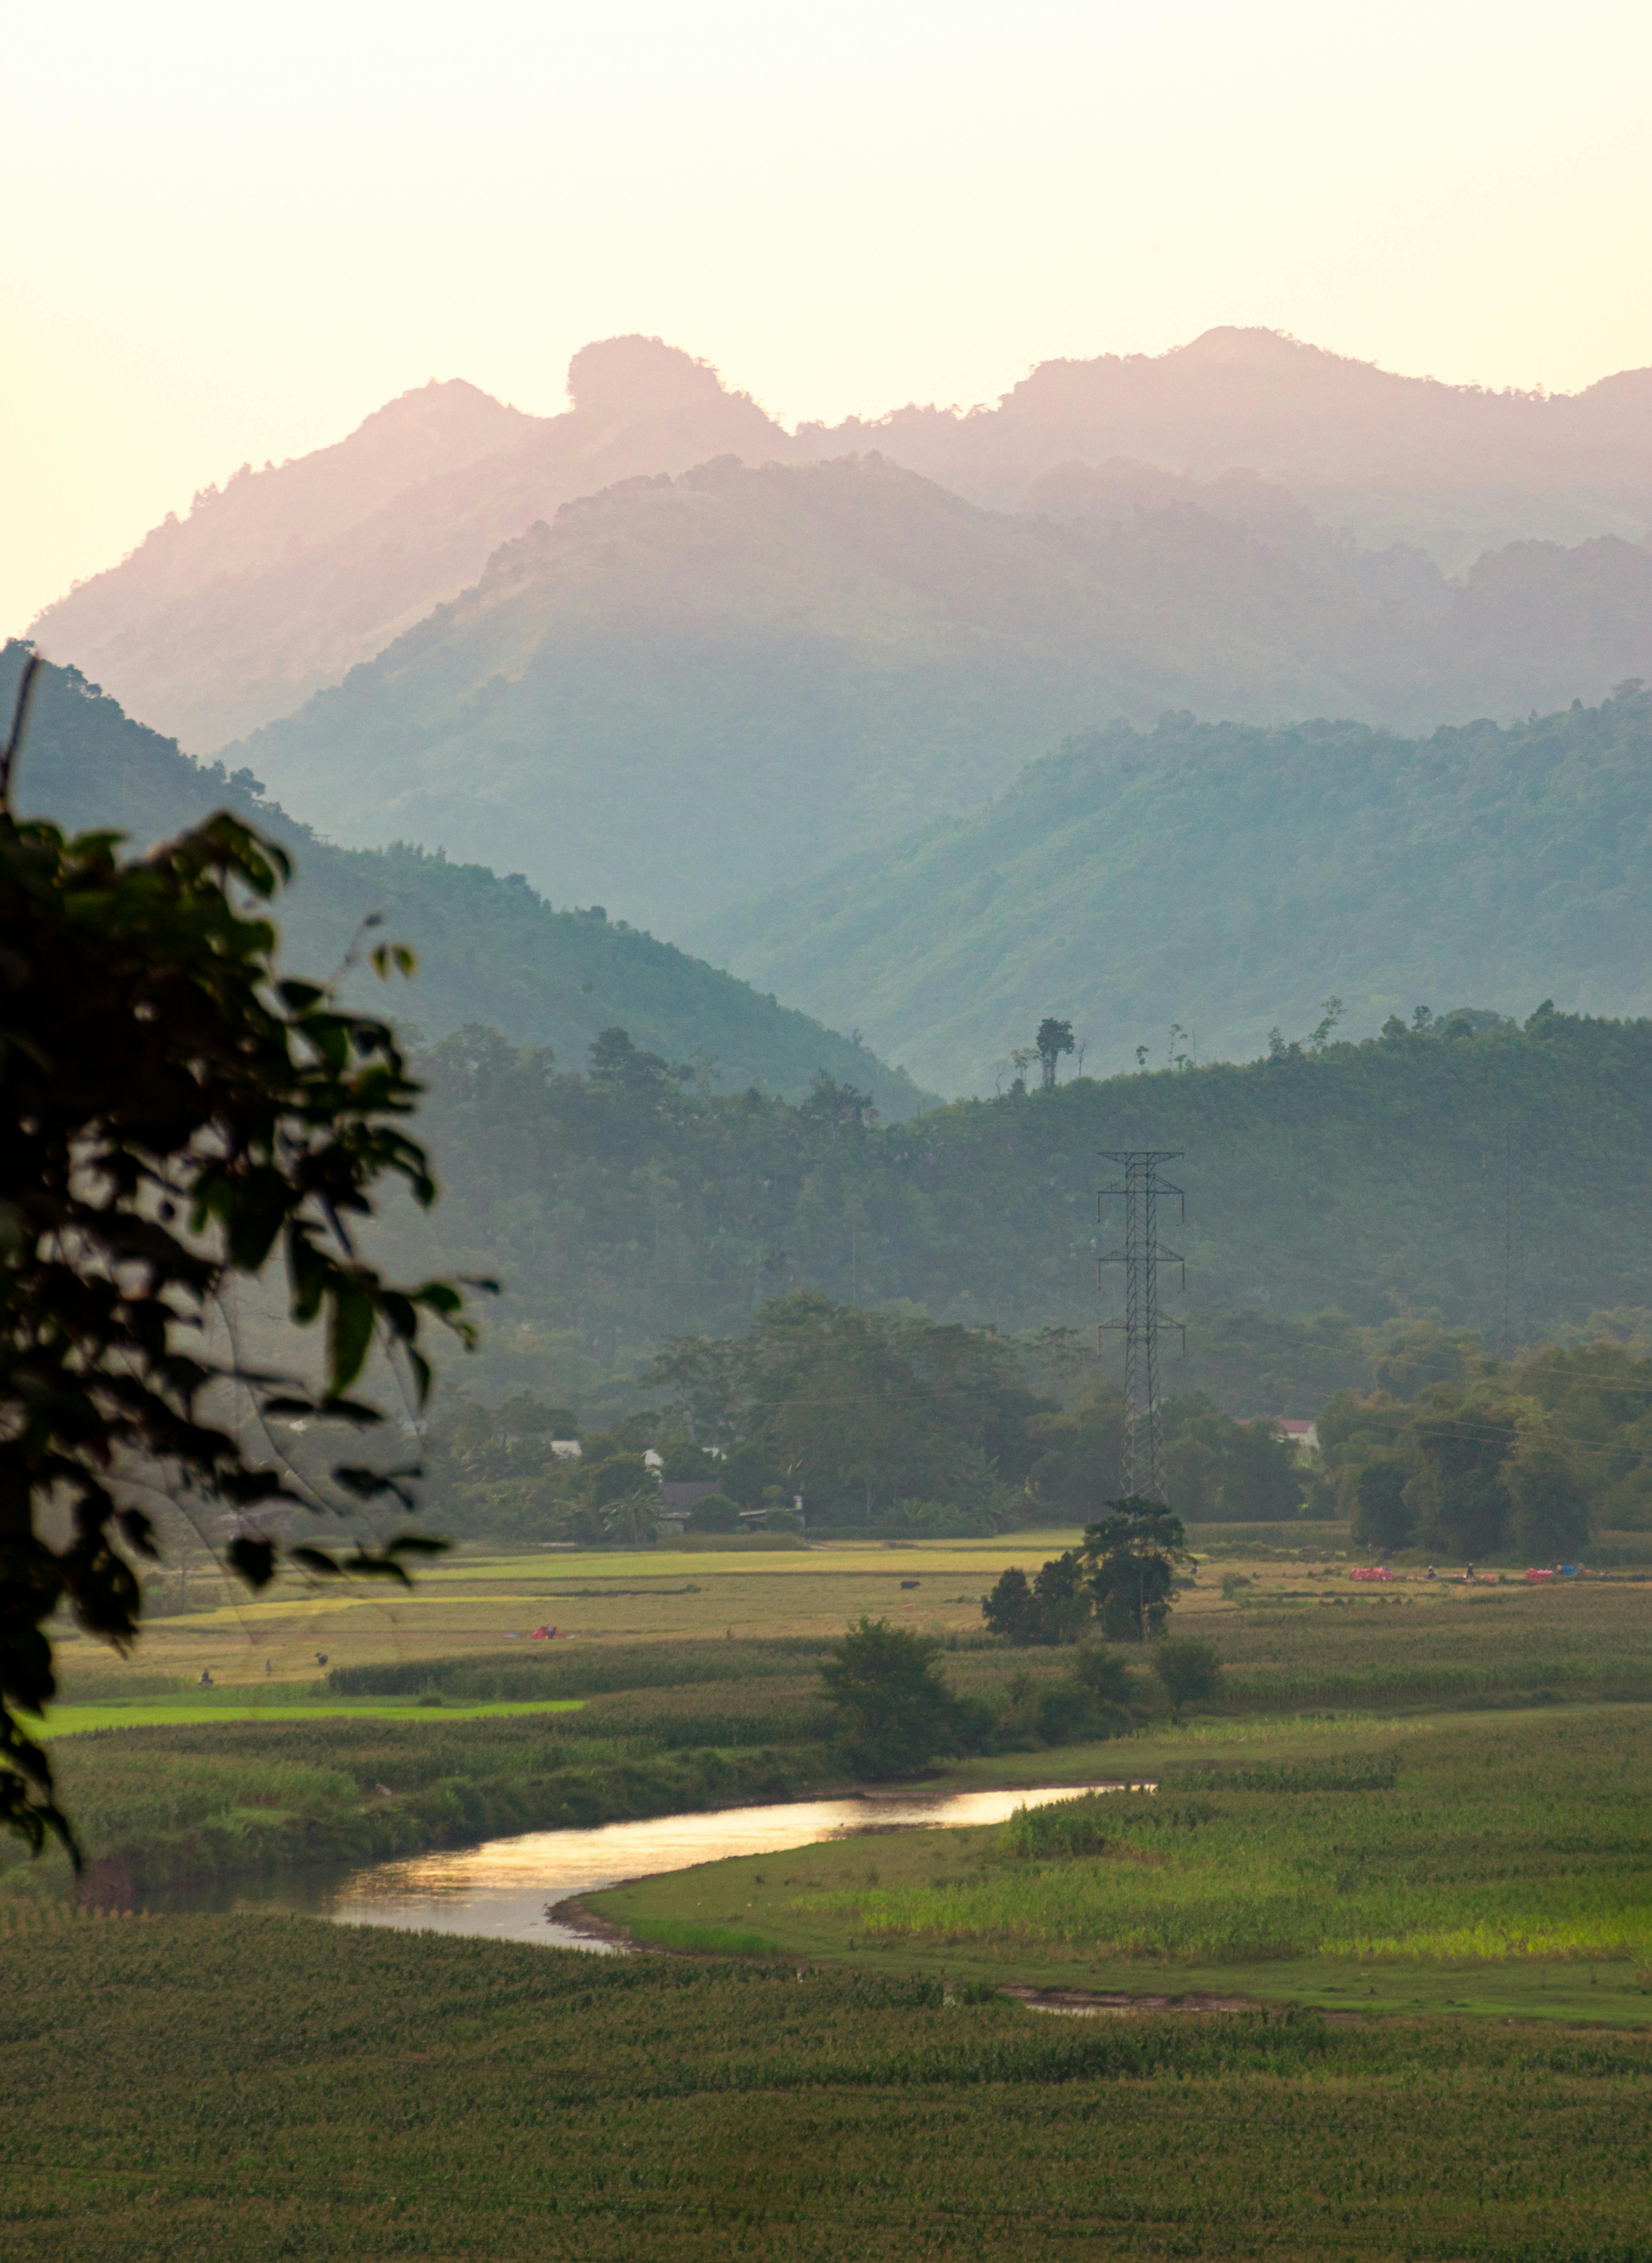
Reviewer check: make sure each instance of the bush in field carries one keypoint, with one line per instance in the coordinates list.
(895, 1713)
(714, 1512)
(1190, 1672)
(1064, 1826)
(1069, 1714)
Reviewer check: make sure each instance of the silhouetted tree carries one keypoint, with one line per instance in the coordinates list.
(175, 1112)
(1054, 1038)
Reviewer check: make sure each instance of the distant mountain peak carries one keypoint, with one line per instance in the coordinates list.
(1254, 345)
(446, 404)
(636, 376)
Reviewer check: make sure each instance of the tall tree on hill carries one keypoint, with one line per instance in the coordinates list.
(174, 1112)
(1054, 1038)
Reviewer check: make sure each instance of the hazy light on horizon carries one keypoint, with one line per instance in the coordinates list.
(235, 234)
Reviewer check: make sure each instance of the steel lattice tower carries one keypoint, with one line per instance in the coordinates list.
(1141, 1257)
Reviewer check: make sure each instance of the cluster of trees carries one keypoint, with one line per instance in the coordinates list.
(896, 1715)
(1457, 1453)
(884, 1422)
(1120, 1581)
(879, 1421)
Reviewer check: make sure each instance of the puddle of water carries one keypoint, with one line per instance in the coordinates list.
(501, 1889)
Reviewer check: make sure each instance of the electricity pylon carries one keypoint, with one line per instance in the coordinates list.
(1141, 1257)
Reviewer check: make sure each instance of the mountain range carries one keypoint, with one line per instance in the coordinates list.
(790, 697)
(681, 693)
(275, 587)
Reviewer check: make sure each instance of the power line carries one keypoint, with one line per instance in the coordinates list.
(1140, 1188)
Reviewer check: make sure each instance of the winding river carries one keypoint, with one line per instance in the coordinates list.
(503, 1889)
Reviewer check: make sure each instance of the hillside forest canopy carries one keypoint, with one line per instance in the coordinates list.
(490, 948)
(1459, 1170)
(1226, 877)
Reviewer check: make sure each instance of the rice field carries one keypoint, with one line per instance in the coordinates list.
(86, 1720)
(485, 1608)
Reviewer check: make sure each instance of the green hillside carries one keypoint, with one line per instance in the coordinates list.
(491, 950)
(1230, 879)
(681, 693)
(1500, 1178)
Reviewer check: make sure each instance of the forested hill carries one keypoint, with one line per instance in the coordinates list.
(282, 583)
(490, 949)
(1227, 879)
(1501, 1177)
(680, 693)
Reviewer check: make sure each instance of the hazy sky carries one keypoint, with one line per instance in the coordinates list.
(232, 231)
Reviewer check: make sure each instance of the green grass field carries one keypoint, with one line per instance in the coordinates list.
(1497, 1864)
(229, 2090)
(696, 1690)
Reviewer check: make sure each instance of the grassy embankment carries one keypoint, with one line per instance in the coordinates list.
(1497, 1864)
(217, 2090)
(1501, 1868)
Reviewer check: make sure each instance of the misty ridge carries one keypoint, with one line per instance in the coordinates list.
(492, 951)
(793, 699)
(273, 589)
(682, 693)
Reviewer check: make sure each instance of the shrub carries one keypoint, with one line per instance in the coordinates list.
(714, 1512)
(1189, 1671)
(895, 1714)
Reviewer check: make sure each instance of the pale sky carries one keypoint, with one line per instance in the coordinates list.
(232, 232)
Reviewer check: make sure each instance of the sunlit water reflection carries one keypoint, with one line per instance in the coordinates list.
(503, 1889)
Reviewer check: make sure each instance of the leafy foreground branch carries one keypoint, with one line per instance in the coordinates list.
(171, 1113)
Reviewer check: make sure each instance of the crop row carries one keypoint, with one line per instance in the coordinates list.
(233, 2088)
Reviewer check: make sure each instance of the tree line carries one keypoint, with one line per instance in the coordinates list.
(884, 1423)
(1497, 1458)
